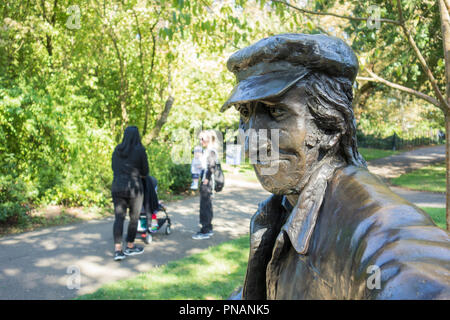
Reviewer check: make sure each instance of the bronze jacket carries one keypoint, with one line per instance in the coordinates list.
(363, 231)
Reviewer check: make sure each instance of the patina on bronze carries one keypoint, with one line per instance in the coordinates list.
(329, 223)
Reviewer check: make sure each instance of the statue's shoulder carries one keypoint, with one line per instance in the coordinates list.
(363, 192)
(389, 232)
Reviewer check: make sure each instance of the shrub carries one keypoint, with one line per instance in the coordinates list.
(160, 165)
(13, 200)
(182, 178)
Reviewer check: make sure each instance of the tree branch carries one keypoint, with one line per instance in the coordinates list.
(334, 14)
(443, 103)
(376, 78)
(160, 122)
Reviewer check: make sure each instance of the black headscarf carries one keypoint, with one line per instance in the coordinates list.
(131, 139)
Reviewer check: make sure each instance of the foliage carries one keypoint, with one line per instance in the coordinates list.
(13, 207)
(74, 74)
(182, 178)
(383, 47)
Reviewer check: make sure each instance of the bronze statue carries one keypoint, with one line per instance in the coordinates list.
(331, 229)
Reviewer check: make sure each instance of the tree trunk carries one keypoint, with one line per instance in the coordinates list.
(161, 121)
(445, 22)
(447, 160)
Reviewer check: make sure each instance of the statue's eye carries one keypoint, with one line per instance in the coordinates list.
(276, 112)
(245, 112)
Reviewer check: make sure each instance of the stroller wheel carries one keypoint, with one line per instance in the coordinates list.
(148, 238)
(168, 230)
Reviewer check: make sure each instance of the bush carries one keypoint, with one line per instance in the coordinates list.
(159, 165)
(182, 178)
(171, 177)
(50, 154)
(13, 200)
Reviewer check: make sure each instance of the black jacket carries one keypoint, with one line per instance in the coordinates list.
(128, 172)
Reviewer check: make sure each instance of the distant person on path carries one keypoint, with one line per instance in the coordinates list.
(129, 164)
(441, 136)
(208, 140)
(196, 167)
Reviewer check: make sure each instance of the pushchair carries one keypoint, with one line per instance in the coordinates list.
(152, 208)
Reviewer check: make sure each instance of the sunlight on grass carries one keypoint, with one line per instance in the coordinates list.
(372, 154)
(430, 178)
(438, 216)
(211, 274)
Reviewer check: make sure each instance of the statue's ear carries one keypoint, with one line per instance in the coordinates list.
(329, 140)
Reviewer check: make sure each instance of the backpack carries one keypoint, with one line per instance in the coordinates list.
(219, 178)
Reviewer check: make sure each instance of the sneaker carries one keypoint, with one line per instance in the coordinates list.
(119, 255)
(202, 236)
(133, 251)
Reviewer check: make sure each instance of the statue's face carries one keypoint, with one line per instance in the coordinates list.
(290, 116)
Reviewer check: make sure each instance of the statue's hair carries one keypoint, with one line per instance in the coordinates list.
(330, 104)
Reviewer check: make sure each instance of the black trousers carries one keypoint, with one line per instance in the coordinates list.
(121, 205)
(206, 210)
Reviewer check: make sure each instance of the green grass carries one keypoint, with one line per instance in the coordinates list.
(211, 274)
(438, 216)
(372, 154)
(430, 178)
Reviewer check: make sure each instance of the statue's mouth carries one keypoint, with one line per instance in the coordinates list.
(271, 166)
(273, 157)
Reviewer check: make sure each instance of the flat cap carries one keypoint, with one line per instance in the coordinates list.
(269, 67)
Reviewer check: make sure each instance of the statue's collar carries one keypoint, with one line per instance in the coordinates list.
(300, 224)
(286, 204)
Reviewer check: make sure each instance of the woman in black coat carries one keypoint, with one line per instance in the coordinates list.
(129, 164)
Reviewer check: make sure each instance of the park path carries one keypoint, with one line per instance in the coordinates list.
(42, 264)
(396, 165)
